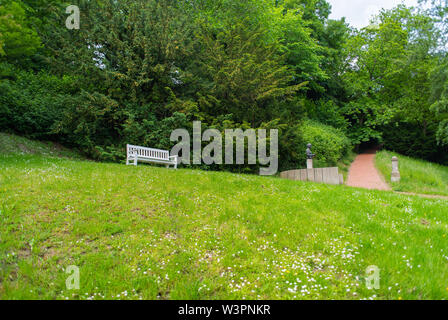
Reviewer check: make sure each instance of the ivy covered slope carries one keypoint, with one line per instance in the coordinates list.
(152, 233)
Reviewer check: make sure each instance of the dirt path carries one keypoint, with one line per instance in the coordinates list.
(428, 196)
(363, 174)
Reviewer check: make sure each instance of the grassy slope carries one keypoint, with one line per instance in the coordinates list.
(151, 233)
(417, 176)
(12, 144)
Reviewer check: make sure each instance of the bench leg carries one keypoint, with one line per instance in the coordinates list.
(127, 161)
(135, 161)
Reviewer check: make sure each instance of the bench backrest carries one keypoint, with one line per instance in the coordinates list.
(148, 152)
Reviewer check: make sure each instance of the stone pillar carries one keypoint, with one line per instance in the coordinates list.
(309, 163)
(395, 176)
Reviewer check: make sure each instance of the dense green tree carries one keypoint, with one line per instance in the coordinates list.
(439, 99)
(18, 38)
(247, 68)
(389, 73)
(438, 10)
(374, 54)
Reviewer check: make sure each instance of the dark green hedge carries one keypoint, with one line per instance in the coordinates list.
(414, 140)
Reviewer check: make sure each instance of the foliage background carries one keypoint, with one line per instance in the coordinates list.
(138, 69)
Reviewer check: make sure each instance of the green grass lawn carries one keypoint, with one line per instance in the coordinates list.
(417, 176)
(150, 233)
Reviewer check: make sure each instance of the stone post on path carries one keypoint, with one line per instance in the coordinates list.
(309, 157)
(395, 176)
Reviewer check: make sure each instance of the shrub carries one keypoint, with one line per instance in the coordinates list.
(30, 104)
(329, 144)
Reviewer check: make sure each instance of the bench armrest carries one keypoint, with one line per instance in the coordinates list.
(174, 158)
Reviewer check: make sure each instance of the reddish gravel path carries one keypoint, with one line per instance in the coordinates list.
(363, 173)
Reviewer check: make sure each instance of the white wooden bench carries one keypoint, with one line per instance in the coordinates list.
(142, 154)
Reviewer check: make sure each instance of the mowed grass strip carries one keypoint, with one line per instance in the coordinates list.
(150, 233)
(417, 176)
